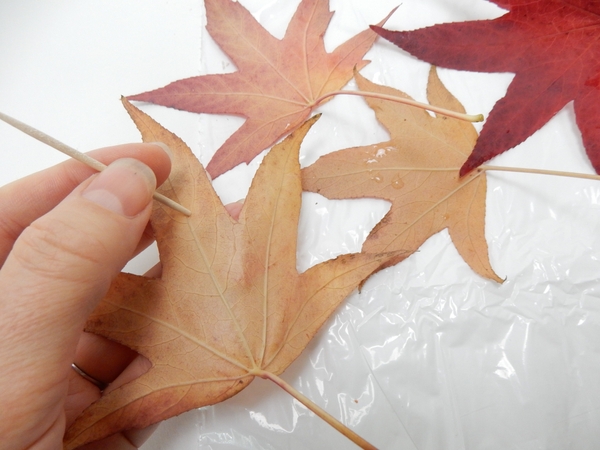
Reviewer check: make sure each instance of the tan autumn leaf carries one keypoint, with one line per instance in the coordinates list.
(230, 304)
(278, 82)
(417, 170)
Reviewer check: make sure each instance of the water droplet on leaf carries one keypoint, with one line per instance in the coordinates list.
(377, 177)
(397, 182)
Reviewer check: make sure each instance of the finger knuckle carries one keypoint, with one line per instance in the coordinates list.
(53, 247)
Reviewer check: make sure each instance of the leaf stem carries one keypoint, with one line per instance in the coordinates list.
(558, 173)
(339, 426)
(406, 101)
(79, 156)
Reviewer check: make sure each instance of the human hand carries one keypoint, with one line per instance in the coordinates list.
(64, 236)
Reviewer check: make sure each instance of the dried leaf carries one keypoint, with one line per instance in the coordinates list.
(230, 304)
(278, 82)
(551, 46)
(416, 170)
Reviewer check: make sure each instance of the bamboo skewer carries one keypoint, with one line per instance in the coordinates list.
(79, 156)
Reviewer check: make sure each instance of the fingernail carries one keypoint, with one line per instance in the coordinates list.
(165, 147)
(124, 187)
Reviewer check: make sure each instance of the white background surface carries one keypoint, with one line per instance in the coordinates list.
(429, 355)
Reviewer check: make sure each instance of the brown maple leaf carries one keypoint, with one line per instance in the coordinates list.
(418, 171)
(278, 82)
(230, 304)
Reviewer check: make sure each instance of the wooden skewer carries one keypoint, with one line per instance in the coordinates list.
(82, 157)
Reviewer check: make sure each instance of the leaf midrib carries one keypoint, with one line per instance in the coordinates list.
(262, 56)
(180, 332)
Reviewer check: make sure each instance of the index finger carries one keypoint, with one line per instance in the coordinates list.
(25, 200)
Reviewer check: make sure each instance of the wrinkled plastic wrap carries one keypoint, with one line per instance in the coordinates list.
(429, 355)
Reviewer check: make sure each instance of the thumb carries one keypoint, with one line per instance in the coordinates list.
(62, 265)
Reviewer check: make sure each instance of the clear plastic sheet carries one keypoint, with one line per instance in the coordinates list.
(429, 355)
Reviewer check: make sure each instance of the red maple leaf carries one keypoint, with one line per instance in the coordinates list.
(552, 46)
(278, 82)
